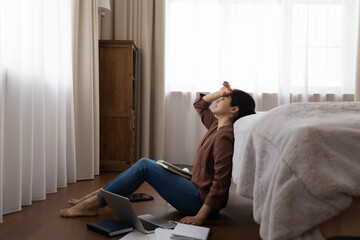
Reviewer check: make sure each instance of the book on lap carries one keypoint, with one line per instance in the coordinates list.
(109, 227)
(174, 169)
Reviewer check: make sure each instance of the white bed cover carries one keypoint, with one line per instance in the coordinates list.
(300, 163)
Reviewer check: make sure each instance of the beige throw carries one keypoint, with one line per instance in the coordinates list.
(300, 163)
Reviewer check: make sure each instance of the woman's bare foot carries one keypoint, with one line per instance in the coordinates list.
(74, 201)
(75, 211)
(88, 207)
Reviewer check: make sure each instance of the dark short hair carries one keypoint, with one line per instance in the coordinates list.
(244, 102)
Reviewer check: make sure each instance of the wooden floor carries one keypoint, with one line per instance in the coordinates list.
(41, 220)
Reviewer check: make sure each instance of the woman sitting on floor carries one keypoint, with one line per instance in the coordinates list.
(208, 190)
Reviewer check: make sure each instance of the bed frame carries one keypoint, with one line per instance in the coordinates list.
(346, 224)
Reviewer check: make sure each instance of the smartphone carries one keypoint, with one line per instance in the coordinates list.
(138, 197)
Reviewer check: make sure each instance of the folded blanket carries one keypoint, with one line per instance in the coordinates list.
(300, 163)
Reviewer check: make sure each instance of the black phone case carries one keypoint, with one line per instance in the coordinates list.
(139, 198)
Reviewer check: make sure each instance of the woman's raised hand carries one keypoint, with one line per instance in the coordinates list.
(225, 90)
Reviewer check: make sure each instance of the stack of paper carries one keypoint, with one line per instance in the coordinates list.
(135, 235)
(182, 232)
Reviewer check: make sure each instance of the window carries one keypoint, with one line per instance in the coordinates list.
(264, 46)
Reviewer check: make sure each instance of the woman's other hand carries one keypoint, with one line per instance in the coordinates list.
(193, 220)
(225, 90)
(199, 218)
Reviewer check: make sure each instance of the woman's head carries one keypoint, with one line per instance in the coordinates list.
(244, 102)
(236, 105)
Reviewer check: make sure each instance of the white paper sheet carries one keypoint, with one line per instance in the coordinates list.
(191, 231)
(136, 235)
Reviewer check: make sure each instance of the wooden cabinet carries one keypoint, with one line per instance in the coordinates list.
(117, 83)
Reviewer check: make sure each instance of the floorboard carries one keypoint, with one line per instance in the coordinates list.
(42, 220)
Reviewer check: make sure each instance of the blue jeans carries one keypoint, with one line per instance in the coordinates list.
(180, 192)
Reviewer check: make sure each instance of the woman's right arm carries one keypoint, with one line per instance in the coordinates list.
(224, 91)
(202, 107)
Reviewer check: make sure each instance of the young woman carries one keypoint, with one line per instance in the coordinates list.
(207, 191)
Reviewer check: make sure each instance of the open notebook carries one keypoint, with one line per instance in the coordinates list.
(182, 172)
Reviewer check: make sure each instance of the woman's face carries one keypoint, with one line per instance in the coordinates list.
(222, 106)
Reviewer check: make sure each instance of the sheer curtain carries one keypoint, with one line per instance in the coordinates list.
(280, 51)
(37, 138)
(86, 87)
(357, 85)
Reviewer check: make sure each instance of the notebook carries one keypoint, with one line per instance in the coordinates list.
(109, 227)
(123, 210)
(174, 169)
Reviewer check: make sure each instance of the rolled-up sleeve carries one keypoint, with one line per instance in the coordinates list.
(202, 107)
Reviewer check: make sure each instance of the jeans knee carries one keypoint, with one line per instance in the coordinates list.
(145, 162)
(143, 165)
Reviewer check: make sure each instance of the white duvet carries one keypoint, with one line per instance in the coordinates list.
(300, 163)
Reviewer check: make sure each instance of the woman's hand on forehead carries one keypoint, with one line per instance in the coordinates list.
(225, 89)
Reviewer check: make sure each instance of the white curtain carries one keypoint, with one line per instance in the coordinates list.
(357, 86)
(86, 87)
(37, 137)
(280, 51)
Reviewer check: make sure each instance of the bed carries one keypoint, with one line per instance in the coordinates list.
(300, 164)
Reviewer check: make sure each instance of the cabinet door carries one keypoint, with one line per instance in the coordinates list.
(117, 94)
(116, 144)
(115, 81)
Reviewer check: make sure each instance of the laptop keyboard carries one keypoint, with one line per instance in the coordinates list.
(147, 225)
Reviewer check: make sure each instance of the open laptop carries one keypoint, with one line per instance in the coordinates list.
(123, 210)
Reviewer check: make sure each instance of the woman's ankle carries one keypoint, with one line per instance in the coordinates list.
(92, 202)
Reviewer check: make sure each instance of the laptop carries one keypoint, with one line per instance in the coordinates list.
(123, 210)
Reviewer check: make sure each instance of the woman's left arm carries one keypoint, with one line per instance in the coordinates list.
(199, 218)
(219, 190)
